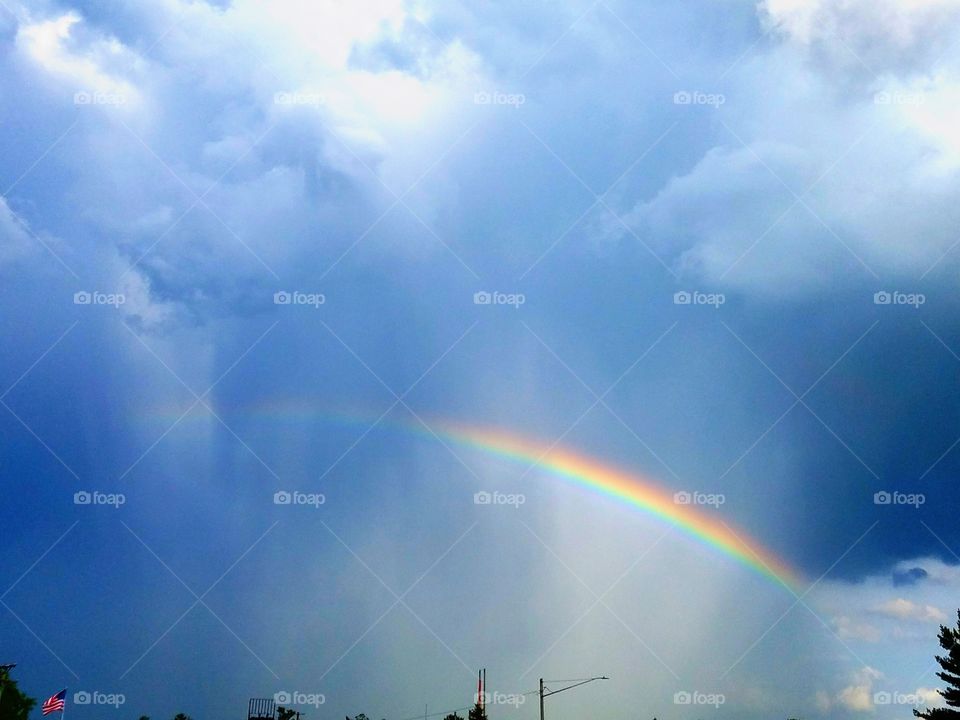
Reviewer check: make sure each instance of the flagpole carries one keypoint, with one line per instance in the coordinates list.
(64, 708)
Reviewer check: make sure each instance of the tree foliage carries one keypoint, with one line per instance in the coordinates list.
(477, 712)
(14, 704)
(949, 673)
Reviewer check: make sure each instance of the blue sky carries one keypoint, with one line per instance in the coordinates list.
(791, 165)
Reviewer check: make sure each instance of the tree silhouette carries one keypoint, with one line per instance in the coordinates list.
(453, 716)
(950, 674)
(477, 712)
(14, 705)
(181, 716)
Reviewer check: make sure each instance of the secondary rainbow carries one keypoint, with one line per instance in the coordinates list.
(628, 487)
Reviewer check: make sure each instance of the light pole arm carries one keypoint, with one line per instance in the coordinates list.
(570, 687)
(545, 694)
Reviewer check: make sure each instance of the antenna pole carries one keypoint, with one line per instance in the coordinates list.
(483, 694)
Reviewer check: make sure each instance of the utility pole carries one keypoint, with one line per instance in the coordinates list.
(545, 692)
(541, 698)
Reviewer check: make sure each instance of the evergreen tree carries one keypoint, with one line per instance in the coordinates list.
(950, 674)
(14, 704)
(477, 712)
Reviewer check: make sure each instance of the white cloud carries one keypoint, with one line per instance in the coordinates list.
(52, 44)
(15, 242)
(891, 639)
(902, 609)
(848, 628)
(868, 176)
(210, 81)
(822, 701)
(865, 611)
(858, 696)
(868, 36)
(929, 697)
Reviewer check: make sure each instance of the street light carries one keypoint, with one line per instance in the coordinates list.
(544, 693)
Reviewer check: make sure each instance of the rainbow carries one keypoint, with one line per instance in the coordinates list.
(627, 487)
(632, 489)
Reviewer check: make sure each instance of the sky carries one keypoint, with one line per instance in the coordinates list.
(269, 270)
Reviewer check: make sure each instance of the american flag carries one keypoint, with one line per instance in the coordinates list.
(55, 703)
